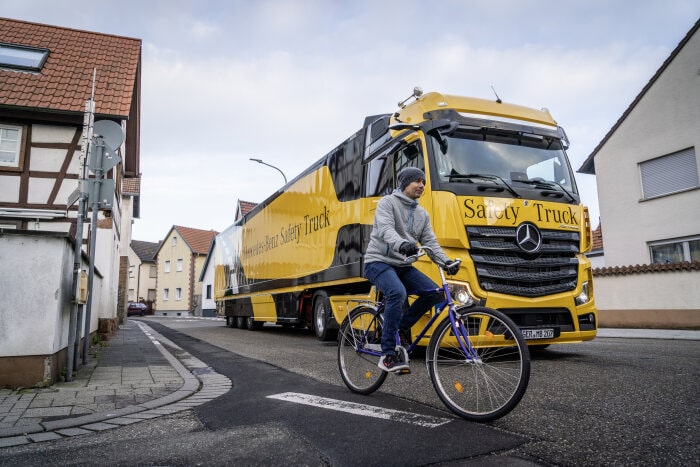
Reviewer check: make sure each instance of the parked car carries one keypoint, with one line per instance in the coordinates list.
(136, 308)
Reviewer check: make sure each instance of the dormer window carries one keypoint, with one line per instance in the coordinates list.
(21, 57)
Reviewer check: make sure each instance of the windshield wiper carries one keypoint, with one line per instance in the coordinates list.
(490, 177)
(549, 184)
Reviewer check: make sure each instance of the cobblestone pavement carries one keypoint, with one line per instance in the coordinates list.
(137, 375)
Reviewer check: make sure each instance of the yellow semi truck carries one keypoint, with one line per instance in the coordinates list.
(501, 196)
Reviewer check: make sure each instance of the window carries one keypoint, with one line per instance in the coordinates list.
(11, 153)
(131, 271)
(669, 174)
(209, 291)
(675, 251)
(153, 271)
(178, 265)
(178, 293)
(22, 57)
(174, 241)
(167, 266)
(166, 294)
(381, 174)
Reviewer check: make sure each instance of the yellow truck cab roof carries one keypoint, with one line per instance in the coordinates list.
(414, 112)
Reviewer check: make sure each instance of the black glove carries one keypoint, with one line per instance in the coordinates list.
(451, 267)
(408, 248)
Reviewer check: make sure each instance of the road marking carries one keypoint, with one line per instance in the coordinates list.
(362, 409)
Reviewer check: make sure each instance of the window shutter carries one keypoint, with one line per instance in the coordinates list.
(669, 174)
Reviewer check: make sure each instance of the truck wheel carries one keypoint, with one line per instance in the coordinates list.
(240, 322)
(231, 321)
(322, 313)
(253, 325)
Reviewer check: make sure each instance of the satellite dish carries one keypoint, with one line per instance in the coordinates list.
(111, 133)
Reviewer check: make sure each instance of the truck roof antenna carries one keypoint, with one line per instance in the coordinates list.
(498, 99)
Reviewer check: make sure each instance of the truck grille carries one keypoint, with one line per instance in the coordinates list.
(501, 266)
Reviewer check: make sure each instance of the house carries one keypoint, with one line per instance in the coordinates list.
(142, 271)
(243, 208)
(46, 79)
(206, 277)
(649, 194)
(180, 260)
(596, 254)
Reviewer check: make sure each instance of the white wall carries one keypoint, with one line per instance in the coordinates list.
(34, 321)
(208, 279)
(648, 291)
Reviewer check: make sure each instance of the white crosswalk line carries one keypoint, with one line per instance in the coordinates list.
(362, 409)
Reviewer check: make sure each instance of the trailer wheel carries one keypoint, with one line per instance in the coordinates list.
(240, 322)
(253, 325)
(231, 321)
(322, 313)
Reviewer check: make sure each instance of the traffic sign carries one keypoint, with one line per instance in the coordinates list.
(106, 196)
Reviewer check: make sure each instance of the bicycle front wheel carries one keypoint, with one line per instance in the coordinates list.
(487, 381)
(359, 344)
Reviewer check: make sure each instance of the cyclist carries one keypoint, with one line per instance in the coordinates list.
(400, 224)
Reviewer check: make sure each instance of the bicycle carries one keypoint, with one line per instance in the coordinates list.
(477, 358)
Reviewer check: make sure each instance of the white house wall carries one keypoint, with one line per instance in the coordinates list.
(9, 189)
(664, 121)
(208, 279)
(52, 134)
(134, 271)
(39, 317)
(107, 260)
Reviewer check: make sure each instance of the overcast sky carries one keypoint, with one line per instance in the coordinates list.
(287, 80)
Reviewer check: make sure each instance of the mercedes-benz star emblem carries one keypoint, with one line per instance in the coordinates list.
(528, 237)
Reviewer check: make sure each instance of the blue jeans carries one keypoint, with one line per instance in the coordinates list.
(394, 282)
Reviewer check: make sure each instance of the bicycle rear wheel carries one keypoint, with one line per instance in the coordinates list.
(489, 383)
(360, 332)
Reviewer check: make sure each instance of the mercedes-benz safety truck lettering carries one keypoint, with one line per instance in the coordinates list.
(292, 233)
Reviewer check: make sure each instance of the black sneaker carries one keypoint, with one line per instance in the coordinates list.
(392, 363)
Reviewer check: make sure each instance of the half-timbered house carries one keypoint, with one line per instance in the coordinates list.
(47, 73)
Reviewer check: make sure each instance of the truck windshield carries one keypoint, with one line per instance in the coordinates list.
(509, 162)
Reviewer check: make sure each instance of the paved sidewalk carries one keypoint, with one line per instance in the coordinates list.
(138, 375)
(673, 334)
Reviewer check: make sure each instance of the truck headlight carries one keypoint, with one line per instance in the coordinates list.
(461, 293)
(583, 297)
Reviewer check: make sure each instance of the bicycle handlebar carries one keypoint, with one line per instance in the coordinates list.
(422, 250)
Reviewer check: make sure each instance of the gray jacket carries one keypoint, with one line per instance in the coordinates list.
(400, 219)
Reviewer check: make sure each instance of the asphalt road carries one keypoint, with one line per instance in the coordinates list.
(607, 402)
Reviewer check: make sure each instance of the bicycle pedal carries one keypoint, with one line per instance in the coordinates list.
(403, 371)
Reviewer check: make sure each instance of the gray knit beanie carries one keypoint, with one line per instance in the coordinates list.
(408, 175)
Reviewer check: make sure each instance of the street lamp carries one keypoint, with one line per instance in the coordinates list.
(259, 161)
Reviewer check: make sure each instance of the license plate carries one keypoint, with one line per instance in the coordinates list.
(538, 333)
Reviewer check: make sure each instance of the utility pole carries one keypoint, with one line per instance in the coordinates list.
(108, 137)
(80, 195)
